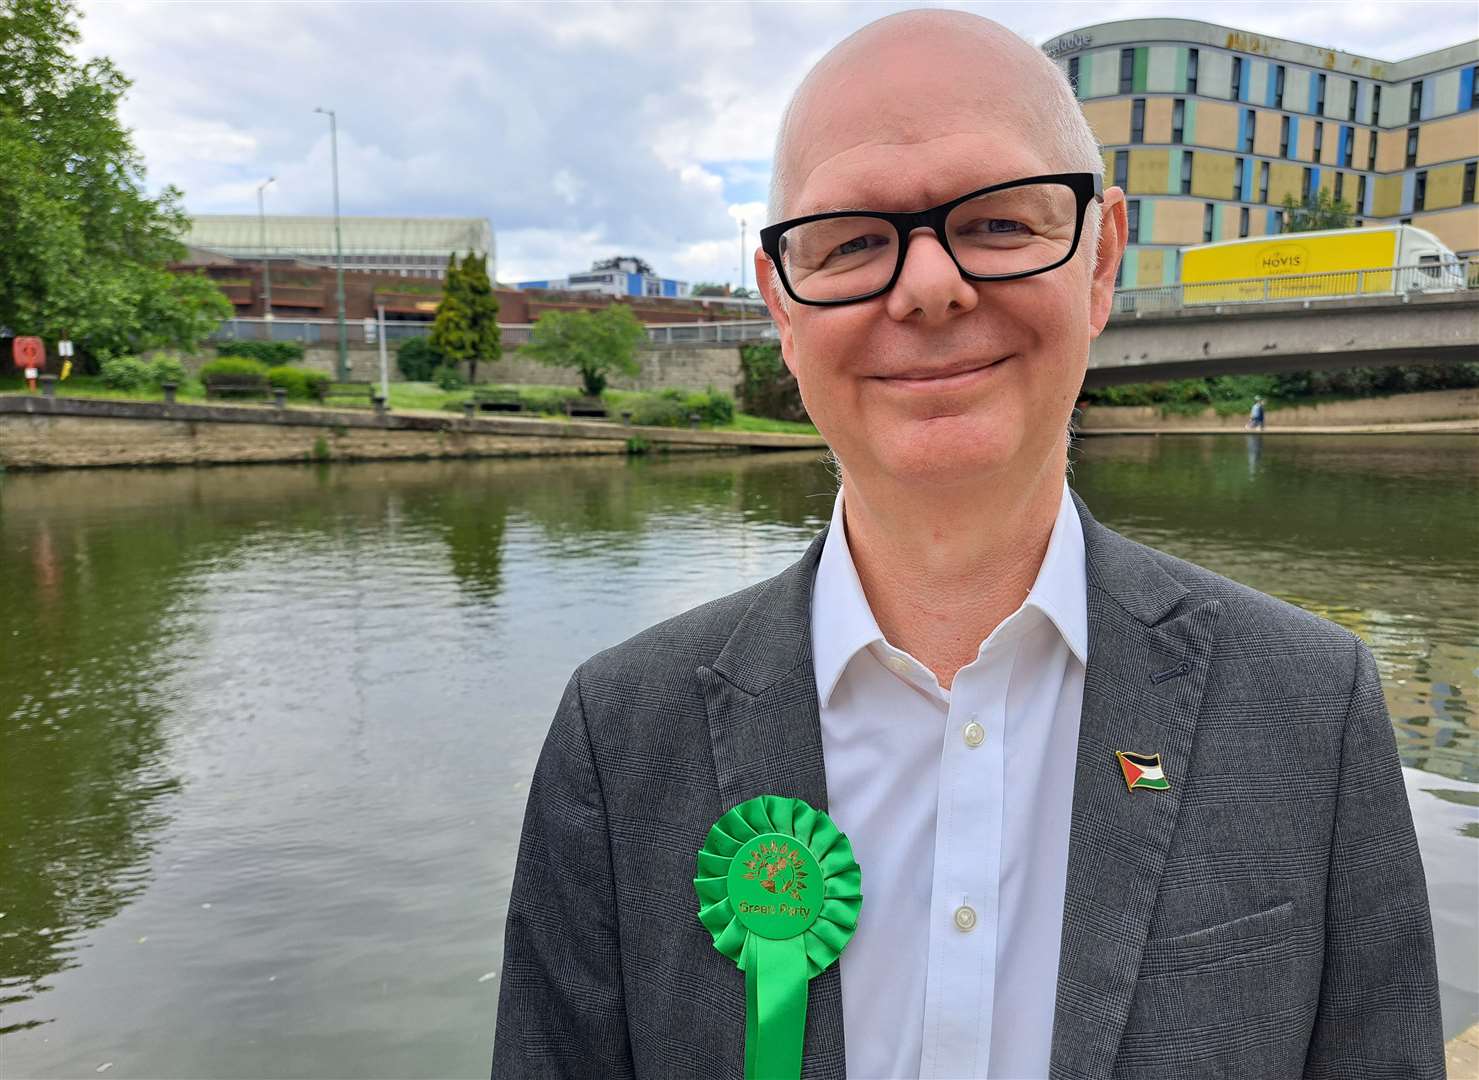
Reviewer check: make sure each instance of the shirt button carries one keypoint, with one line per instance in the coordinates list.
(974, 734)
(965, 918)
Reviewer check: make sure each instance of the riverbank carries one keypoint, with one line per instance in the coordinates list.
(1431, 427)
(1463, 1054)
(56, 433)
(1392, 412)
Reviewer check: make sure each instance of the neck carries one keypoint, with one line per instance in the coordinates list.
(941, 572)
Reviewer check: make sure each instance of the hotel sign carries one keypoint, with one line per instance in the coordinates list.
(1066, 44)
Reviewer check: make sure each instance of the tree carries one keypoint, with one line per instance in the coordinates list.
(84, 248)
(594, 343)
(709, 288)
(1317, 212)
(482, 313)
(466, 326)
(614, 263)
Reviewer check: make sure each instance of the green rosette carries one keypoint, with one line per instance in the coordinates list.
(780, 891)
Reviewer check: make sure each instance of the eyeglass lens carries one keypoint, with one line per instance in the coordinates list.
(1013, 231)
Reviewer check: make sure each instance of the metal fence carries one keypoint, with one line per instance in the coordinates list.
(1449, 276)
(361, 332)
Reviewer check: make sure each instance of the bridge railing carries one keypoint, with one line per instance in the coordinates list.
(325, 332)
(1449, 276)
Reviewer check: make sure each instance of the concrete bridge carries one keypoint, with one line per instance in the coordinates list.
(1236, 339)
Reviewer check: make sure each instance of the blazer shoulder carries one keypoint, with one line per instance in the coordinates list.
(1255, 625)
(674, 648)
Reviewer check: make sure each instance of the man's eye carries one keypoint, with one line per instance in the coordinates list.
(856, 244)
(1004, 225)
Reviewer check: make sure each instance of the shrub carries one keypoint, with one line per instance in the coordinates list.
(769, 389)
(449, 378)
(125, 373)
(418, 360)
(233, 365)
(268, 352)
(298, 382)
(672, 408)
(167, 369)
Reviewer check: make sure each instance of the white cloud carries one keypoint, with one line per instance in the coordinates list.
(578, 129)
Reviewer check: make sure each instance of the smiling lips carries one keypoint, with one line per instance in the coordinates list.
(951, 377)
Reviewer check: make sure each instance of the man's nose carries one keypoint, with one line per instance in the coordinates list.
(930, 286)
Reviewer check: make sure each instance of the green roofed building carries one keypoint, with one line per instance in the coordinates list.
(401, 246)
(1208, 128)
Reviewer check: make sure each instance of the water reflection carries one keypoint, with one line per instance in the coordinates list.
(267, 729)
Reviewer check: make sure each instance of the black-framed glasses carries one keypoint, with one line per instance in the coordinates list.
(1005, 231)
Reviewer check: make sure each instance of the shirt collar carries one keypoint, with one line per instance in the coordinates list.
(842, 623)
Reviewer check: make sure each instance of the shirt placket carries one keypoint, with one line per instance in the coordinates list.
(961, 983)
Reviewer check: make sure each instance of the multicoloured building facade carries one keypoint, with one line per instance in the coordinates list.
(1208, 128)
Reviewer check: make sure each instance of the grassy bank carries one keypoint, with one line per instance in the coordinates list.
(543, 401)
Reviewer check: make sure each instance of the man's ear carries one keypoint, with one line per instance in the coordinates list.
(1114, 230)
(770, 288)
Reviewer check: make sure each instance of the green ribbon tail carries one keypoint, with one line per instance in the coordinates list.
(775, 1007)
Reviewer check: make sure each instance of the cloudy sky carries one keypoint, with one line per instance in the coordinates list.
(578, 129)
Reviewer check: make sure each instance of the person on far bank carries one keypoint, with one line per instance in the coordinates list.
(1255, 415)
(978, 787)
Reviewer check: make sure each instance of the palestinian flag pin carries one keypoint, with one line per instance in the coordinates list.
(1143, 771)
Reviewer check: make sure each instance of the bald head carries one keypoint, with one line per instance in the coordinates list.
(922, 75)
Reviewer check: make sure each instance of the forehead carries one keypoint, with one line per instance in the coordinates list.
(904, 124)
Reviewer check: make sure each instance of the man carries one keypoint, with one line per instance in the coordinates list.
(1255, 415)
(1117, 816)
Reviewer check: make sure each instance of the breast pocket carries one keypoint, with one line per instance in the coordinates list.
(1231, 1000)
(1215, 944)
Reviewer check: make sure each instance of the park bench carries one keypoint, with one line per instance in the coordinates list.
(496, 400)
(592, 408)
(361, 392)
(237, 386)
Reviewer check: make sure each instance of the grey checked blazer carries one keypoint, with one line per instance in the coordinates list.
(1266, 918)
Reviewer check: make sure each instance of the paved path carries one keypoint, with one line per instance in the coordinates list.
(1423, 427)
(1463, 1055)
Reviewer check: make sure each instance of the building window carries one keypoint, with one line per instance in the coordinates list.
(1250, 128)
(1127, 70)
(1235, 84)
(1137, 121)
(1263, 181)
(1411, 147)
(1207, 224)
(1347, 146)
(1279, 87)
(1178, 119)
(1420, 191)
(1238, 166)
(1283, 135)
(1375, 104)
(1119, 274)
(1243, 222)
(1339, 186)
(1361, 192)
(1305, 184)
(1415, 106)
(1186, 163)
(1469, 170)
(1073, 72)
(1122, 169)
(1132, 211)
(1320, 95)
(1371, 152)
(1350, 105)
(1474, 92)
(1319, 140)
(1192, 56)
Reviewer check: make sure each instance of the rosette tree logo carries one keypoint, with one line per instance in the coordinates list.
(780, 891)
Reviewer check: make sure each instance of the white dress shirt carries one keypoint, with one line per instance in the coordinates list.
(957, 804)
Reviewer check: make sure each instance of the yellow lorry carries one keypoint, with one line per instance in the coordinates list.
(1388, 260)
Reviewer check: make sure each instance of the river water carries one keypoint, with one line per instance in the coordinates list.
(268, 730)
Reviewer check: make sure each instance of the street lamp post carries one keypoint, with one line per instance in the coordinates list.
(262, 242)
(742, 254)
(338, 244)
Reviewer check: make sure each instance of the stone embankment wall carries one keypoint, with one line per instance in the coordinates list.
(36, 433)
(1397, 409)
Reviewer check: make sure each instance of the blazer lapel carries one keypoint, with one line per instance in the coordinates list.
(765, 728)
(1149, 652)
